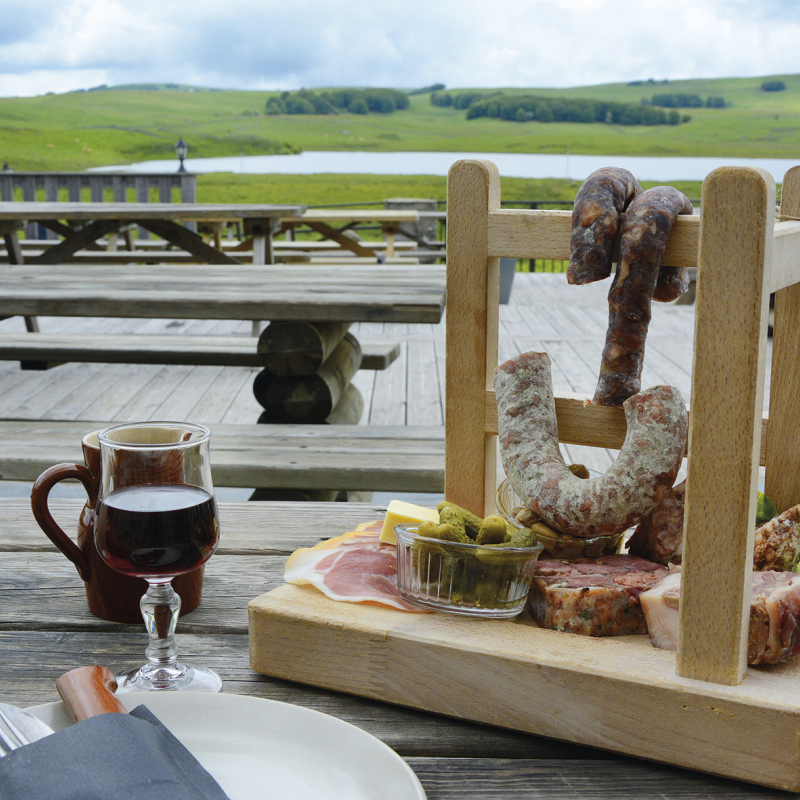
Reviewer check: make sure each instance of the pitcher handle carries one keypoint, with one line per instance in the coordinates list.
(41, 511)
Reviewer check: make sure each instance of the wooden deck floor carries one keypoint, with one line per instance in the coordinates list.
(544, 314)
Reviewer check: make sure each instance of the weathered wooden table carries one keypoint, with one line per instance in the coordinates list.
(351, 293)
(321, 220)
(82, 224)
(46, 629)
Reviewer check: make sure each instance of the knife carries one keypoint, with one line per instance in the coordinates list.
(85, 691)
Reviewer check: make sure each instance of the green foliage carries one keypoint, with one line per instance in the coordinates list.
(523, 108)
(371, 190)
(773, 86)
(466, 99)
(677, 100)
(337, 101)
(441, 99)
(715, 102)
(436, 87)
(765, 509)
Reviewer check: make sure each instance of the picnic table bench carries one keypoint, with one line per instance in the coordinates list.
(334, 458)
(88, 222)
(339, 457)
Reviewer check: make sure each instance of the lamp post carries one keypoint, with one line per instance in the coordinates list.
(181, 150)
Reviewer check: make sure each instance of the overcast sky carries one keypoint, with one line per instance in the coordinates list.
(61, 45)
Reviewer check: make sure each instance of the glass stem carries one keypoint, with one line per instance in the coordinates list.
(160, 607)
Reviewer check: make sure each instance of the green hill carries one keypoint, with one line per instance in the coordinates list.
(119, 125)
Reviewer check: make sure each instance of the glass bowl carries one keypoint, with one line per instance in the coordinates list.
(471, 579)
(559, 545)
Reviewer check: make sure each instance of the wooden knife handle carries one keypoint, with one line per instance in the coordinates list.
(89, 691)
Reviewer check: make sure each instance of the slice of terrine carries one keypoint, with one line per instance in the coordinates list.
(593, 596)
(774, 615)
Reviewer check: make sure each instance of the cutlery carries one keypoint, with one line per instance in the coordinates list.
(85, 691)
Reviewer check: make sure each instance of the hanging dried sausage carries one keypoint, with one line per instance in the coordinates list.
(604, 195)
(643, 238)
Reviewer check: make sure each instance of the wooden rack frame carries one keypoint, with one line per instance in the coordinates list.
(742, 255)
(703, 710)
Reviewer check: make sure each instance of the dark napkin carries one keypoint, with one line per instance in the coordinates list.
(131, 756)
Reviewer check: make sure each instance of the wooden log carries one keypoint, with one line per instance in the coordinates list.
(299, 348)
(349, 409)
(311, 398)
(261, 384)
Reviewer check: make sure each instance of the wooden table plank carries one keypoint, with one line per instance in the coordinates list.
(405, 293)
(12, 211)
(348, 457)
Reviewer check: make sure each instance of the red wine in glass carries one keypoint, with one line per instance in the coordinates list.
(157, 530)
(157, 518)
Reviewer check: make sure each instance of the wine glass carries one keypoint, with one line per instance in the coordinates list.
(157, 518)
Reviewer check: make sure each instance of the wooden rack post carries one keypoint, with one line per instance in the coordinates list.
(734, 271)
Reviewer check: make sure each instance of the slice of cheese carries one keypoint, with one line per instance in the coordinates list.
(400, 512)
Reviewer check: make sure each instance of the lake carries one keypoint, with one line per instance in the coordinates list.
(518, 165)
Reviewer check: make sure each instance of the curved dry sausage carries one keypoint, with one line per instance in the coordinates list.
(637, 481)
(643, 238)
(604, 195)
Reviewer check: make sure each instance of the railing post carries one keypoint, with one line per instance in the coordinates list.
(733, 278)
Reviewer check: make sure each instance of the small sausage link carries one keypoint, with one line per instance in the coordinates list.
(643, 238)
(604, 195)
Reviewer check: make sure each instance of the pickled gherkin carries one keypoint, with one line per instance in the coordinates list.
(481, 575)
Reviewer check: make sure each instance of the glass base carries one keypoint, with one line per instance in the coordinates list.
(182, 679)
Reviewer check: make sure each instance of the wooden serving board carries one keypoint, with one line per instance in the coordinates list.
(616, 693)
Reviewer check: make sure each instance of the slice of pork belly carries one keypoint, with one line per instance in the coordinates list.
(593, 596)
(774, 615)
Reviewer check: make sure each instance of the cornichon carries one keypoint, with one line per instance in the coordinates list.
(478, 577)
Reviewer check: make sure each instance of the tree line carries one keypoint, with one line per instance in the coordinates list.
(338, 101)
(522, 108)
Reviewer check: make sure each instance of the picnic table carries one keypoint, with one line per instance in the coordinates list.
(321, 220)
(352, 293)
(82, 224)
(46, 629)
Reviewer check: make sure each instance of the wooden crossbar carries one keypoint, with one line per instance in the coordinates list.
(522, 233)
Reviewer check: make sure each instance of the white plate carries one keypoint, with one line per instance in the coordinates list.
(255, 748)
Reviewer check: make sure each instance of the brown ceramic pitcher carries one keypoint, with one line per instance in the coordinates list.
(111, 595)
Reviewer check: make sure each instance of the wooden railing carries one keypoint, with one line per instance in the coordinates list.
(92, 187)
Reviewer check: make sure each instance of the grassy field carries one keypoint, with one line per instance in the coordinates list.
(327, 190)
(85, 129)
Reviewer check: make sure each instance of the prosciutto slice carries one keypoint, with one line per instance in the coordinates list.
(355, 568)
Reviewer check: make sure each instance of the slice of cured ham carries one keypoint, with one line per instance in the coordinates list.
(774, 615)
(355, 568)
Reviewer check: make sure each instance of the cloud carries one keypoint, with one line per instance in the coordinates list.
(55, 46)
